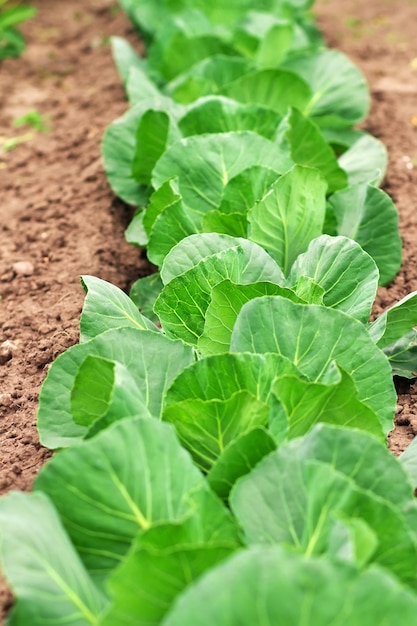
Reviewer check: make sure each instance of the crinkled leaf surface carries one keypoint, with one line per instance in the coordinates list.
(348, 275)
(369, 216)
(311, 337)
(44, 570)
(152, 359)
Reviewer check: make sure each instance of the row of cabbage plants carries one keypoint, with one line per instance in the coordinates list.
(221, 433)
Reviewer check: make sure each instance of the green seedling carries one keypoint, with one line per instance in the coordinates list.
(32, 118)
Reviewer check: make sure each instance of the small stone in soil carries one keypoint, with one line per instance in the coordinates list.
(23, 268)
(6, 399)
(6, 351)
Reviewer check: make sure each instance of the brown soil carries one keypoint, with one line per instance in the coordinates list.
(379, 36)
(58, 219)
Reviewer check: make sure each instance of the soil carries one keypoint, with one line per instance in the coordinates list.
(59, 220)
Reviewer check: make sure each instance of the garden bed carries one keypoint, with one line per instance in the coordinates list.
(60, 220)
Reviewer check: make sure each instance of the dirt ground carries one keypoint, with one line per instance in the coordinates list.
(58, 219)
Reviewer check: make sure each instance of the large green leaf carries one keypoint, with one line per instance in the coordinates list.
(368, 215)
(290, 215)
(105, 391)
(226, 301)
(244, 190)
(306, 403)
(354, 453)
(126, 480)
(152, 137)
(238, 459)
(204, 164)
(183, 302)
(206, 78)
(163, 562)
(402, 355)
(340, 95)
(311, 337)
(152, 359)
(395, 322)
(161, 199)
(144, 292)
(221, 376)
(118, 149)
(189, 252)
(270, 586)
(184, 41)
(347, 274)
(307, 146)
(409, 461)
(264, 39)
(273, 89)
(140, 86)
(365, 161)
(120, 145)
(107, 307)
(45, 572)
(206, 427)
(297, 503)
(217, 114)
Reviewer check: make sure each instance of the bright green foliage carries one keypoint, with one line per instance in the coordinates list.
(151, 358)
(140, 478)
(289, 216)
(236, 473)
(274, 586)
(312, 337)
(367, 215)
(347, 274)
(43, 567)
(12, 42)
